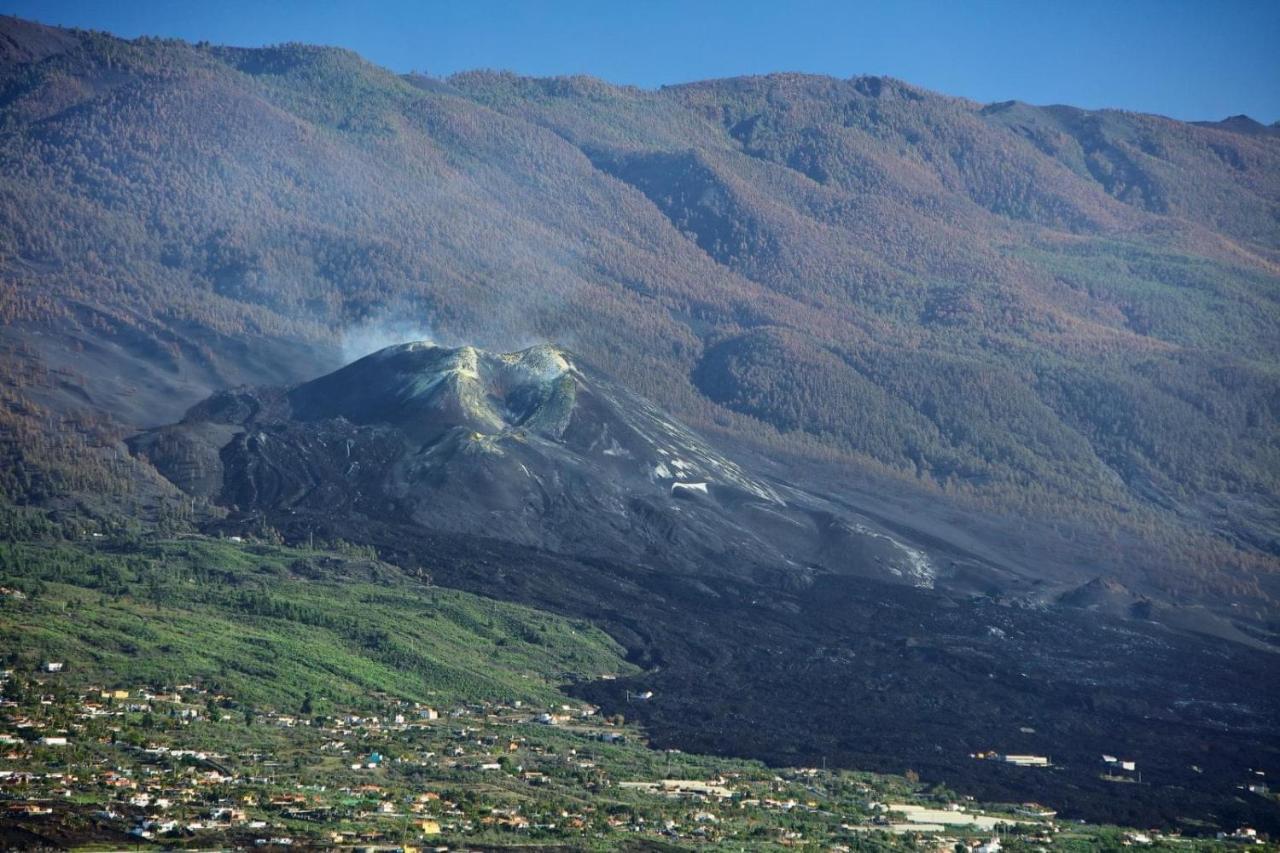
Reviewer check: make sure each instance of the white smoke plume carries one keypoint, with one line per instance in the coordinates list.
(373, 334)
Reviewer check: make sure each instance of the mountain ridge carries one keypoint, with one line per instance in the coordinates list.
(29, 30)
(1036, 312)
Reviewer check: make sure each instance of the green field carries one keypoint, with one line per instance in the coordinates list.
(271, 624)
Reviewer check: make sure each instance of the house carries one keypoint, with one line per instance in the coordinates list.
(428, 826)
(1036, 810)
(29, 809)
(1026, 760)
(49, 740)
(992, 846)
(289, 799)
(53, 666)
(1243, 835)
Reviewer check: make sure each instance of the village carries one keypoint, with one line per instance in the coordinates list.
(186, 767)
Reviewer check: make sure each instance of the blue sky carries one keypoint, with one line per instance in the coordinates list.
(1190, 60)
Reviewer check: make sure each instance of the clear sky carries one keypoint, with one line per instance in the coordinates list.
(1190, 59)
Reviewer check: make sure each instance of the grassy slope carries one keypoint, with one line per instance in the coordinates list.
(271, 624)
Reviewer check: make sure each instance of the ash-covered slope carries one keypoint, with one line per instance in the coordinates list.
(532, 447)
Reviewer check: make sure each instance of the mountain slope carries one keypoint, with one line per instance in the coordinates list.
(1063, 319)
(766, 620)
(272, 624)
(534, 448)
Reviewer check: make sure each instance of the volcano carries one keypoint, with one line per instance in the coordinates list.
(532, 447)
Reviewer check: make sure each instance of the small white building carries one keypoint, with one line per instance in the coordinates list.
(1026, 760)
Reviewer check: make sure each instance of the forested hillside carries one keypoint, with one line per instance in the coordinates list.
(1063, 317)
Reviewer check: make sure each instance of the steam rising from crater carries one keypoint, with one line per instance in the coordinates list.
(375, 334)
(390, 328)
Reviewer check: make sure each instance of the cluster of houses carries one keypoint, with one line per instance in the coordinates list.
(148, 782)
(160, 791)
(1114, 766)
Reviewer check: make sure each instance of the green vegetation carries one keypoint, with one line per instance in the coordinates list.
(274, 625)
